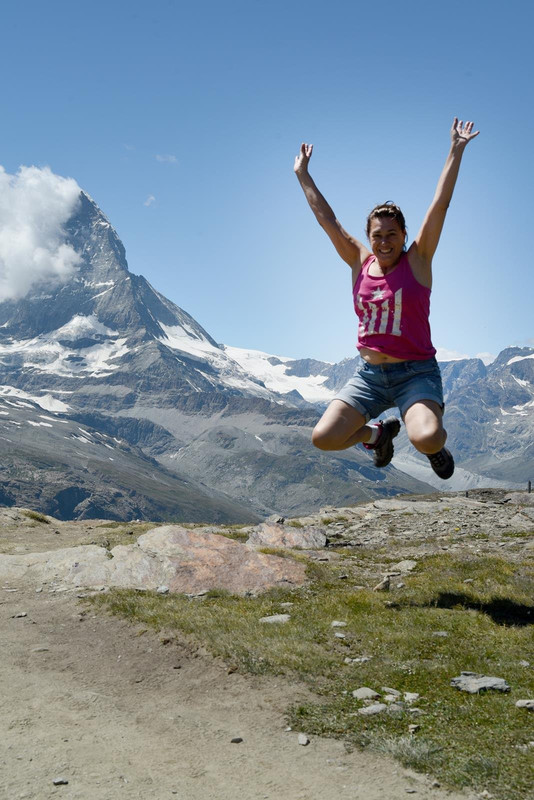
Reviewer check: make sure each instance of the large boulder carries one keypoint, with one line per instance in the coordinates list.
(186, 561)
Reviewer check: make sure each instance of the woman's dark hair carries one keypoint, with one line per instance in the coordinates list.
(387, 209)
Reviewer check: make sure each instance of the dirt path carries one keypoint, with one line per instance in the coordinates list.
(118, 714)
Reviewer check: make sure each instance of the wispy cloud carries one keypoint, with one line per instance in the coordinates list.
(150, 200)
(167, 158)
(443, 354)
(487, 358)
(34, 206)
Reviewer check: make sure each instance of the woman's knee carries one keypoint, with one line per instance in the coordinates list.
(336, 427)
(323, 438)
(428, 439)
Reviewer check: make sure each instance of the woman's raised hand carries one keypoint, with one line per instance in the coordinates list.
(301, 161)
(462, 133)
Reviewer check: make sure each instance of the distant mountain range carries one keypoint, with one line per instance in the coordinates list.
(114, 402)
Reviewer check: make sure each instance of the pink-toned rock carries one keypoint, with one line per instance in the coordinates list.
(196, 561)
(269, 534)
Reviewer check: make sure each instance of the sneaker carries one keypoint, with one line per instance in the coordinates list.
(383, 447)
(442, 463)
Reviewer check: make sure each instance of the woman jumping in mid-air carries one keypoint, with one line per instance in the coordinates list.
(391, 290)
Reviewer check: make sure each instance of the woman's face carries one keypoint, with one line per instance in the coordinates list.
(387, 240)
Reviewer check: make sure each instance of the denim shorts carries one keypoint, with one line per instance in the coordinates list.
(377, 387)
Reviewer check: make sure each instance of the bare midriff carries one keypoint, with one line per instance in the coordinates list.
(374, 357)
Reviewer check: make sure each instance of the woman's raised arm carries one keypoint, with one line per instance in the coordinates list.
(427, 239)
(350, 249)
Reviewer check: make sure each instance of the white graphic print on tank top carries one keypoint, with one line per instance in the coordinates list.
(384, 317)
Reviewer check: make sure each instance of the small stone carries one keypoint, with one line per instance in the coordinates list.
(60, 781)
(389, 690)
(469, 580)
(236, 740)
(528, 704)
(286, 605)
(524, 663)
(411, 697)
(276, 619)
(472, 683)
(436, 784)
(383, 586)
(375, 708)
(413, 728)
(401, 585)
(40, 650)
(288, 729)
(440, 634)
(338, 624)
(364, 693)
(20, 615)
(405, 566)
(340, 635)
(396, 709)
(411, 791)
(303, 739)
(162, 589)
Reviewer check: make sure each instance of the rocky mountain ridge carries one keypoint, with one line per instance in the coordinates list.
(107, 352)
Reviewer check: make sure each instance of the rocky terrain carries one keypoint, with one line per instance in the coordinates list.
(195, 559)
(84, 694)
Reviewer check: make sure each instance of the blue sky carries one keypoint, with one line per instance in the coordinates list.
(182, 121)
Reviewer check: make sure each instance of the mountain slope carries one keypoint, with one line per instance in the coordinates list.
(108, 351)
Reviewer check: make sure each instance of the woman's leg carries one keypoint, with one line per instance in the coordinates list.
(341, 426)
(424, 426)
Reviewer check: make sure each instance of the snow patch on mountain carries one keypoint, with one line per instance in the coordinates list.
(515, 359)
(45, 354)
(80, 327)
(273, 372)
(186, 340)
(47, 401)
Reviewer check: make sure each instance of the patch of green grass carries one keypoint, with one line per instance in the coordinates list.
(295, 523)
(283, 553)
(235, 533)
(116, 533)
(464, 740)
(35, 515)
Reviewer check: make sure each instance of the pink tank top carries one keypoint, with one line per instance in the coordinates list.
(393, 312)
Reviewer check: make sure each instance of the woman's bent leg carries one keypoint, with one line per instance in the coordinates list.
(340, 427)
(424, 426)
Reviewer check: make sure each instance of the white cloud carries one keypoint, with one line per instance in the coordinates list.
(449, 355)
(443, 354)
(150, 199)
(167, 159)
(34, 206)
(487, 358)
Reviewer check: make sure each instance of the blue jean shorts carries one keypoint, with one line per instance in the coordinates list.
(377, 387)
